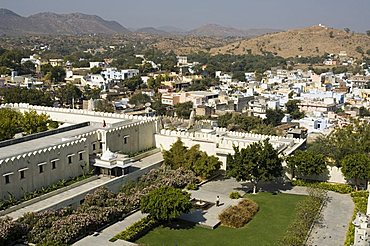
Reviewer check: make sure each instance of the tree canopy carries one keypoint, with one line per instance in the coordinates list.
(166, 203)
(183, 110)
(357, 167)
(293, 109)
(12, 122)
(259, 161)
(24, 95)
(179, 156)
(306, 163)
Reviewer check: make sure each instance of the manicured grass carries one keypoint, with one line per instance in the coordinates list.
(266, 228)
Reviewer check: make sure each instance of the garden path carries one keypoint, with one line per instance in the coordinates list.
(103, 237)
(332, 228)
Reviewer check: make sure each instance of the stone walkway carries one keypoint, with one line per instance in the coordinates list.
(336, 215)
(49, 202)
(103, 237)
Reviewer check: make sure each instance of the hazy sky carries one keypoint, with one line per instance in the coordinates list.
(283, 14)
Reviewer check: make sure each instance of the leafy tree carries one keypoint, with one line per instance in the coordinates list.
(24, 95)
(274, 117)
(200, 163)
(133, 83)
(89, 92)
(160, 109)
(179, 156)
(34, 123)
(257, 162)
(183, 110)
(154, 83)
(359, 50)
(68, 93)
(166, 203)
(96, 70)
(55, 74)
(239, 75)
(306, 163)
(4, 70)
(293, 109)
(139, 99)
(357, 167)
(104, 106)
(368, 32)
(175, 157)
(264, 130)
(10, 123)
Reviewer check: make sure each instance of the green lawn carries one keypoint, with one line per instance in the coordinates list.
(271, 221)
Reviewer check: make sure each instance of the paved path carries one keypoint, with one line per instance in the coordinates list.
(46, 203)
(103, 237)
(336, 215)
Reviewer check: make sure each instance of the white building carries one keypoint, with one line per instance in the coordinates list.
(112, 74)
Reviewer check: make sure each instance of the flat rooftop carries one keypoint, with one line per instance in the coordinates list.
(43, 142)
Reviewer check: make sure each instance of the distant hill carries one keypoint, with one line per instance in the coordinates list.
(310, 41)
(172, 29)
(214, 30)
(51, 23)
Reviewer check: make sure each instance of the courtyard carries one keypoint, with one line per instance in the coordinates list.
(269, 224)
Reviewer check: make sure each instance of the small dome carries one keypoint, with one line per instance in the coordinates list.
(108, 156)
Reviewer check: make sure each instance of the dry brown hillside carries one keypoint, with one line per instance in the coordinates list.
(311, 41)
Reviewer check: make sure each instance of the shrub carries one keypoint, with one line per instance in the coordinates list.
(239, 215)
(360, 199)
(235, 195)
(191, 186)
(11, 230)
(136, 230)
(307, 211)
(340, 188)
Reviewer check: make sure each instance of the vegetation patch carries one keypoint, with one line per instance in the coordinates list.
(239, 215)
(307, 211)
(275, 213)
(136, 230)
(360, 199)
(235, 195)
(340, 188)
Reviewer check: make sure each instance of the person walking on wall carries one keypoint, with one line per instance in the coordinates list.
(217, 201)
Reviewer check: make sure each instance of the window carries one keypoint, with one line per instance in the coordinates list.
(7, 179)
(101, 145)
(125, 139)
(70, 159)
(94, 147)
(53, 164)
(22, 174)
(80, 156)
(41, 168)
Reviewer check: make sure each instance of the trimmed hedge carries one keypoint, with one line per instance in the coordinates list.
(360, 200)
(239, 215)
(340, 188)
(307, 211)
(235, 195)
(136, 230)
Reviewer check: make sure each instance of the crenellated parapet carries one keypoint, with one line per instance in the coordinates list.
(43, 151)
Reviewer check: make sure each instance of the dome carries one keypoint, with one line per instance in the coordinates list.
(108, 156)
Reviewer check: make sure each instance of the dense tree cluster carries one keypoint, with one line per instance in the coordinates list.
(12, 122)
(257, 162)
(166, 203)
(179, 156)
(24, 95)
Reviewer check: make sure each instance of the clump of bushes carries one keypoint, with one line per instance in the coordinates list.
(235, 195)
(307, 210)
(100, 208)
(136, 230)
(11, 231)
(239, 215)
(191, 186)
(340, 188)
(360, 199)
